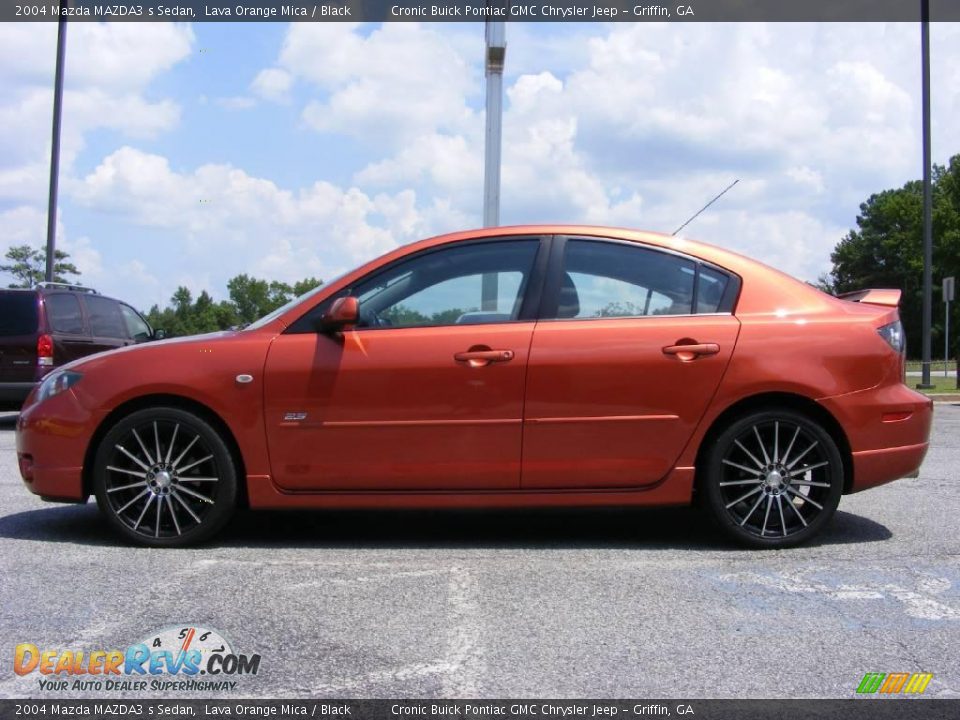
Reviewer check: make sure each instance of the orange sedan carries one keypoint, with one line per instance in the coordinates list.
(521, 366)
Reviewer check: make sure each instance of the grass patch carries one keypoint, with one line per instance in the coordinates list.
(940, 384)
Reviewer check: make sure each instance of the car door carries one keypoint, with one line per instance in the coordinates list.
(425, 392)
(631, 347)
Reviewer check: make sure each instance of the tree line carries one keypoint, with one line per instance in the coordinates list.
(249, 299)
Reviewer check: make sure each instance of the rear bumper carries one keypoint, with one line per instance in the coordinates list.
(888, 428)
(12, 394)
(875, 467)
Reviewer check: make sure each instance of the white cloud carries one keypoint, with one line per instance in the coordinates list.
(227, 221)
(393, 84)
(236, 102)
(273, 84)
(108, 67)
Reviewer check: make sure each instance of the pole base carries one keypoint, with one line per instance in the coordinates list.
(921, 386)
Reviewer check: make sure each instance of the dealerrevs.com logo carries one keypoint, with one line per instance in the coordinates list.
(185, 658)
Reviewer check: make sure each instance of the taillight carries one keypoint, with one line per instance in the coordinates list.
(45, 350)
(893, 334)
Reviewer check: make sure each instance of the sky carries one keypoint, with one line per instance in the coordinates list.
(195, 152)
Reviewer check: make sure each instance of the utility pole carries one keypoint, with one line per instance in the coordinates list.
(55, 144)
(927, 198)
(496, 53)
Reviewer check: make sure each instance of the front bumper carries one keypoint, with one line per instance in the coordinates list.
(888, 428)
(52, 441)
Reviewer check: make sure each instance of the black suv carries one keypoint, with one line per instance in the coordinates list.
(54, 323)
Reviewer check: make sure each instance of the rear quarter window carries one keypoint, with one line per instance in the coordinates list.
(63, 313)
(18, 314)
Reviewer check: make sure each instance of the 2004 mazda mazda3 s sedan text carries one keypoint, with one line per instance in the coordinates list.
(524, 366)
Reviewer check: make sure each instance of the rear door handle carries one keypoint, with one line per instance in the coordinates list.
(479, 358)
(693, 351)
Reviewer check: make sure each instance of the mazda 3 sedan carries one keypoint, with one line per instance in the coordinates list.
(526, 366)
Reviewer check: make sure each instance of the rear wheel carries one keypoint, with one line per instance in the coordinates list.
(165, 477)
(773, 479)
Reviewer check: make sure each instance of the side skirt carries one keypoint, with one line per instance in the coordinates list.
(675, 489)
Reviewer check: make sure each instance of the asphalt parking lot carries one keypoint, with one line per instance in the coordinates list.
(555, 604)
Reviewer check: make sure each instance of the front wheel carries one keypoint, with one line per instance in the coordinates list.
(773, 479)
(164, 477)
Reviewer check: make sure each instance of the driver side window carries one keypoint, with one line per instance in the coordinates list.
(468, 284)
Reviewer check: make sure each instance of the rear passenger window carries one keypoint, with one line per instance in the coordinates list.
(63, 313)
(710, 291)
(605, 279)
(105, 320)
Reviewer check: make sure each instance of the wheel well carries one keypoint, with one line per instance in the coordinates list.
(176, 401)
(766, 401)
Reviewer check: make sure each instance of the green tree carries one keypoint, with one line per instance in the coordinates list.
(250, 299)
(29, 266)
(886, 249)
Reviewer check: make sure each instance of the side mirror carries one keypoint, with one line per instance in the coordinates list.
(159, 334)
(344, 311)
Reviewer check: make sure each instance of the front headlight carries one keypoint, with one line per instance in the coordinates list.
(55, 383)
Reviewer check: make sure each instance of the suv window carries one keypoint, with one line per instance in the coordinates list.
(18, 313)
(605, 279)
(105, 320)
(63, 313)
(137, 327)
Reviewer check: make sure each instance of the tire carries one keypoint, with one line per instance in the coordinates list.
(164, 477)
(753, 484)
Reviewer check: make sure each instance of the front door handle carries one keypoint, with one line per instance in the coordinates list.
(477, 357)
(691, 351)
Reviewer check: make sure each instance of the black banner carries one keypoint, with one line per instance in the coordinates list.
(477, 10)
(872, 708)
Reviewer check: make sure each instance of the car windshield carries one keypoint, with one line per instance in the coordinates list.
(271, 316)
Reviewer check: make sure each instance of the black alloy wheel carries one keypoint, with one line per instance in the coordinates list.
(773, 479)
(164, 477)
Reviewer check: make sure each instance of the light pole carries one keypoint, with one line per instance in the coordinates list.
(495, 56)
(927, 198)
(496, 53)
(55, 144)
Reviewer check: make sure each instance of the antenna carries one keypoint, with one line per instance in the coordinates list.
(697, 213)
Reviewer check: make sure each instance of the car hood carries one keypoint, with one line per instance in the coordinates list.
(96, 358)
